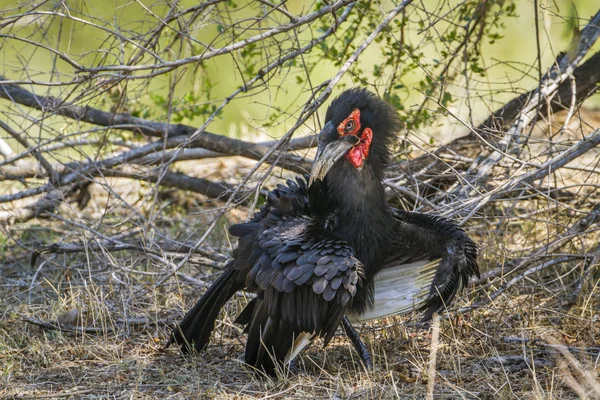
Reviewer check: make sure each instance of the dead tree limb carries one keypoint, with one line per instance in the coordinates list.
(177, 134)
(213, 190)
(46, 204)
(573, 231)
(203, 255)
(587, 76)
(469, 207)
(559, 73)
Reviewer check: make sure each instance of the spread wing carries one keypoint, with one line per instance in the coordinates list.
(305, 278)
(431, 260)
(285, 201)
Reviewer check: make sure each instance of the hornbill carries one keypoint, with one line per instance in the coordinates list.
(328, 250)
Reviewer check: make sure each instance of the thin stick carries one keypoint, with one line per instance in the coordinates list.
(435, 338)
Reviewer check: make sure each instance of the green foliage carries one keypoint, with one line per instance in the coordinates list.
(406, 47)
(187, 107)
(420, 56)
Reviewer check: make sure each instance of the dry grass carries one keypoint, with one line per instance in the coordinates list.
(503, 350)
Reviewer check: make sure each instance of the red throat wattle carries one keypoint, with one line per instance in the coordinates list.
(351, 126)
(358, 153)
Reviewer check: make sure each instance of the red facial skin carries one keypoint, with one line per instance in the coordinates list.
(358, 153)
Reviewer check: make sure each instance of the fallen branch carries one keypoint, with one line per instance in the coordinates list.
(66, 327)
(575, 230)
(211, 257)
(470, 207)
(556, 75)
(587, 77)
(175, 135)
(301, 143)
(46, 204)
(213, 190)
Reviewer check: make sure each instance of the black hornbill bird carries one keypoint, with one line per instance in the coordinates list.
(328, 250)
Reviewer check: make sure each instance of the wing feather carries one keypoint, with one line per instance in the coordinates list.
(305, 278)
(432, 259)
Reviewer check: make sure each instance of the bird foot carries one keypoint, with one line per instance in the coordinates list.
(359, 346)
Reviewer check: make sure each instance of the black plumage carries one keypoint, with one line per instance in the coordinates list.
(390, 243)
(316, 252)
(304, 275)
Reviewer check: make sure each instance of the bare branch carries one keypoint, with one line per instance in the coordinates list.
(178, 180)
(38, 156)
(177, 134)
(472, 205)
(587, 77)
(551, 81)
(210, 52)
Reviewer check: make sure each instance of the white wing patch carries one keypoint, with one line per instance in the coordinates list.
(400, 289)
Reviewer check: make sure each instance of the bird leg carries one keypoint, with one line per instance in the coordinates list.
(359, 346)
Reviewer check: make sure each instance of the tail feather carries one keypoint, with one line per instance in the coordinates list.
(245, 317)
(193, 333)
(272, 344)
(302, 341)
(258, 334)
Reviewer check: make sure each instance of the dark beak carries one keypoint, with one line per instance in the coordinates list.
(331, 148)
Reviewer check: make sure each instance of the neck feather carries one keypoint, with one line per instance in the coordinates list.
(363, 216)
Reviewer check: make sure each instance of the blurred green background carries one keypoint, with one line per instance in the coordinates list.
(510, 61)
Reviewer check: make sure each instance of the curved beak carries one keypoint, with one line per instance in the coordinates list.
(331, 148)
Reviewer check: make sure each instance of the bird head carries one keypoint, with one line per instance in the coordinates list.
(359, 127)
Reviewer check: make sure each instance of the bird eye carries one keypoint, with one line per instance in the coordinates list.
(350, 125)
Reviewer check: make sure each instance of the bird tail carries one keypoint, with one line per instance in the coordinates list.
(193, 332)
(271, 344)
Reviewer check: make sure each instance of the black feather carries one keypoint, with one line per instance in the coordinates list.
(193, 332)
